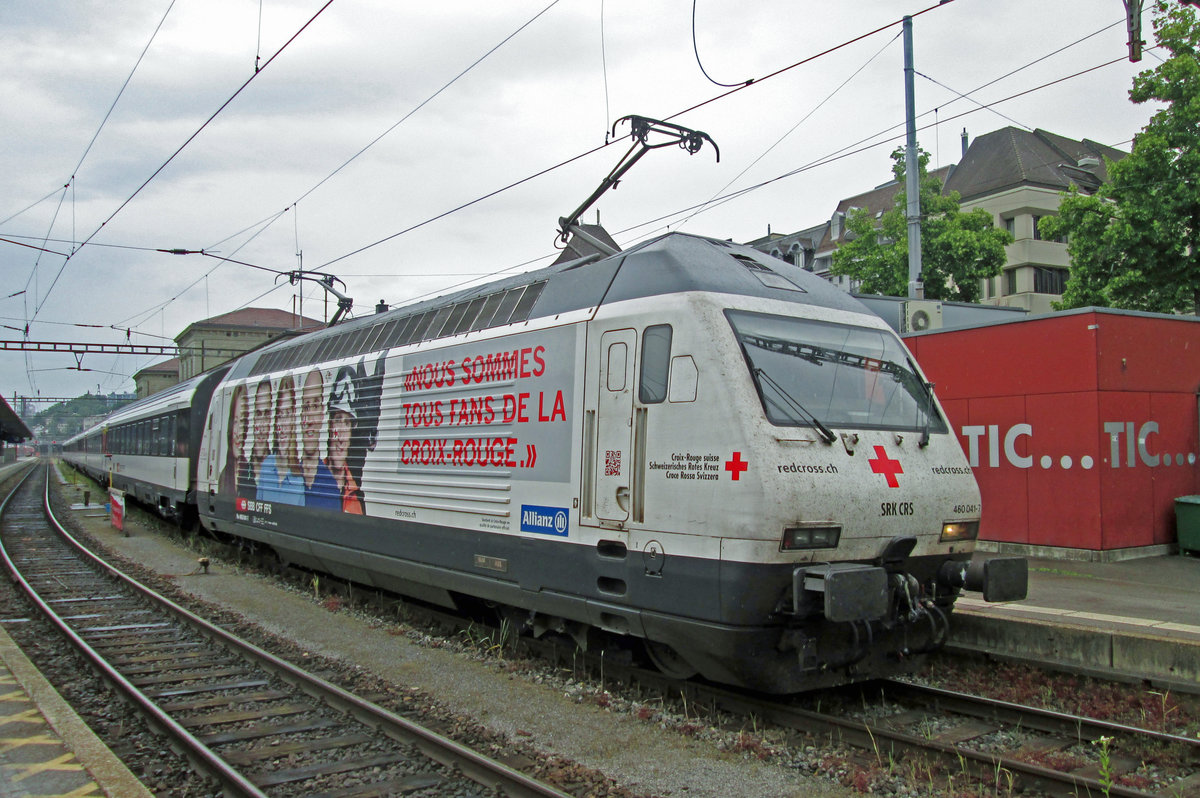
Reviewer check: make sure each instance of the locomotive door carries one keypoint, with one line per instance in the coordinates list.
(613, 464)
(209, 465)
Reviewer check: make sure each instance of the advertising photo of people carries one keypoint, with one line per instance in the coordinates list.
(320, 488)
(236, 477)
(341, 428)
(261, 446)
(305, 444)
(281, 478)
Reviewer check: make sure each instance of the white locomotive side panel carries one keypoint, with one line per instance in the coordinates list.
(481, 435)
(478, 435)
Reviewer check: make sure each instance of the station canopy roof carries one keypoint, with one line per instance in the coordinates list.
(12, 428)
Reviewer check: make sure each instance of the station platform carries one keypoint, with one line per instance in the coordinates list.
(45, 748)
(1137, 618)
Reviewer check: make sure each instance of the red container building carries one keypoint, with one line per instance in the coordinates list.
(1082, 426)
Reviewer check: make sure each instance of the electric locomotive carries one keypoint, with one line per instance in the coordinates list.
(689, 443)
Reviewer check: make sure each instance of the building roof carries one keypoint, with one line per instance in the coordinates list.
(877, 202)
(166, 367)
(254, 318)
(1011, 157)
(808, 239)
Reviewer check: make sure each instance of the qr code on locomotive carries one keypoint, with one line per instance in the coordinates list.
(612, 463)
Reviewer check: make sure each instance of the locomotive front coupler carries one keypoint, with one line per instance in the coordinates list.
(851, 591)
(998, 578)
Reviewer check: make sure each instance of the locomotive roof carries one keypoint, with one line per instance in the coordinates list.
(669, 264)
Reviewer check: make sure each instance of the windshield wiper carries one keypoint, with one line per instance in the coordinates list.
(824, 431)
(928, 408)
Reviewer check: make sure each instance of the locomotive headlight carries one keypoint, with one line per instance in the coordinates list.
(810, 537)
(959, 530)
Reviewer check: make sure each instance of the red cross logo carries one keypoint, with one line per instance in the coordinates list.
(882, 464)
(736, 466)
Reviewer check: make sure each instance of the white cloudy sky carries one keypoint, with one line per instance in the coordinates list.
(545, 96)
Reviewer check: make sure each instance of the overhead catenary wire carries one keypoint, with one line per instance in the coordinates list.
(175, 154)
(549, 169)
(700, 207)
(74, 172)
(32, 205)
(284, 212)
(264, 224)
(802, 120)
(982, 106)
(676, 115)
(862, 145)
(699, 63)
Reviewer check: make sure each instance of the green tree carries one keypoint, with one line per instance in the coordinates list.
(957, 249)
(1135, 243)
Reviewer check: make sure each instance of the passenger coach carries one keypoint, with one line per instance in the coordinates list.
(147, 448)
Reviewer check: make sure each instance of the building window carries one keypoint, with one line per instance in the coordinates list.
(1037, 234)
(1049, 281)
(1010, 282)
(1010, 224)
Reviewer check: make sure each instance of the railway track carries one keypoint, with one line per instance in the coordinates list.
(959, 741)
(256, 724)
(956, 740)
(931, 735)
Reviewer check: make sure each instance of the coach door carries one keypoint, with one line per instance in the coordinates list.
(612, 464)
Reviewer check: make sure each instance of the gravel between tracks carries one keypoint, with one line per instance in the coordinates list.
(642, 757)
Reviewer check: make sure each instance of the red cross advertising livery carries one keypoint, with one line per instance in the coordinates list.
(688, 444)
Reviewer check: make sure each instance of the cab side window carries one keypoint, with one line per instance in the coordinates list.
(656, 364)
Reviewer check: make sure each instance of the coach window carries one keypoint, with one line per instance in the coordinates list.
(182, 433)
(656, 364)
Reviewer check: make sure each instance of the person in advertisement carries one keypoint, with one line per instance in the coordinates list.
(236, 477)
(260, 447)
(320, 488)
(282, 478)
(342, 417)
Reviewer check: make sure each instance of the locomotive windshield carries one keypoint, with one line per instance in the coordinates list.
(820, 374)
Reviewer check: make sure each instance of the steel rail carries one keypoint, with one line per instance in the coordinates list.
(200, 755)
(1047, 720)
(476, 766)
(882, 741)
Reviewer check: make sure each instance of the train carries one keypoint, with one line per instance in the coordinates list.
(147, 448)
(688, 444)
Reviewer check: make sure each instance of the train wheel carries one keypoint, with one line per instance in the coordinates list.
(668, 660)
